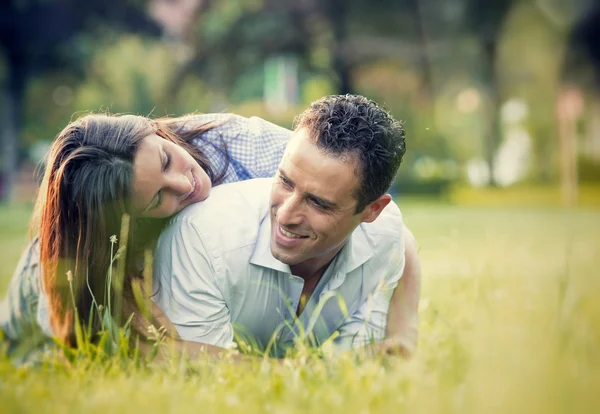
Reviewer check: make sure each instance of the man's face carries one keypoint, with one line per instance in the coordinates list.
(312, 203)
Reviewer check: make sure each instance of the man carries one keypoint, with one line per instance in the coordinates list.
(317, 257)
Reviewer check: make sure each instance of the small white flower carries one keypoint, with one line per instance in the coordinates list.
(113, 238)
(69, 276)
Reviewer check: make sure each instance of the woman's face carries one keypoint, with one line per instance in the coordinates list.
(166, 178)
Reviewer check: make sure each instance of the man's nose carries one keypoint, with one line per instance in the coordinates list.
(179, 184)
(290, 211)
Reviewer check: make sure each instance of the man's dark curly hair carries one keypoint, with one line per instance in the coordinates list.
(356, 126)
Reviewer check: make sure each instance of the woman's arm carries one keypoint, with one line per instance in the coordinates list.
(171, 346)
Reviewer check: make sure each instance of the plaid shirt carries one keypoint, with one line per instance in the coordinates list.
(254, 147)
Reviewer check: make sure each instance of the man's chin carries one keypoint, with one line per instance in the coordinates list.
(283, 257)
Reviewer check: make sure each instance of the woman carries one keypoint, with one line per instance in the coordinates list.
(101, 167)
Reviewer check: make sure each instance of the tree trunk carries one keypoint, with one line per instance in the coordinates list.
(12, 107)
(492, 136)
(336, 13)
(427, 92)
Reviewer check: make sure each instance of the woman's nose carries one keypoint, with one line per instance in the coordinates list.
(179, 184)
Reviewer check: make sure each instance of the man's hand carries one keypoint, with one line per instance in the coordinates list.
(403, 345)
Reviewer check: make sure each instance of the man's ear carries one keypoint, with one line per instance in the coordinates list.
(372, 210)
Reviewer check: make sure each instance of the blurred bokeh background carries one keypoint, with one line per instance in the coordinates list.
(498, 97)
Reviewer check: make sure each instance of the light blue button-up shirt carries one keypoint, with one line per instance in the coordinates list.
(218, 282)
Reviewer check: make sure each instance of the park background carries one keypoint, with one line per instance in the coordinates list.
(500, 183)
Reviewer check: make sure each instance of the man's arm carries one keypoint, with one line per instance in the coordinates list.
(396, 319)
(187, 289)
(402, 330)
(367, 324)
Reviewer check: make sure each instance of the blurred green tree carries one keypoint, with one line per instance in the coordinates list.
(41, 36)
(334, 39)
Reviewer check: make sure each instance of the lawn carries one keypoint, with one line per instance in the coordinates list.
(510, 322)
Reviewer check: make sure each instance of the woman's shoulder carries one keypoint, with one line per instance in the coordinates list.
(237, 126)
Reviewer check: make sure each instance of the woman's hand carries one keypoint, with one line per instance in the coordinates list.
(161, 320)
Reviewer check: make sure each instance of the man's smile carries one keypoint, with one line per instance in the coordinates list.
(292, 235)
(287, 239)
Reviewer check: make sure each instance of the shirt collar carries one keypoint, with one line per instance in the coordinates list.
(262, 250)
(354, 254)
(356, 251)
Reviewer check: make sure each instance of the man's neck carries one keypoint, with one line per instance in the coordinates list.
(315, 267)
(308, 271)
(311, 273)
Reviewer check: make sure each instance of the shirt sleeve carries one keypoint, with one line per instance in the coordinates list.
(254, 146)
(187, 291)
(19, 309)
(367, 325)
(269, 143)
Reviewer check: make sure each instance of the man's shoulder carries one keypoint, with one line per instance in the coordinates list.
(227, 198)
(385, 236)
(389, 224)
(231, 214)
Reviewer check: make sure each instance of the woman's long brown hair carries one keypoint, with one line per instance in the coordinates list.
(85, 191)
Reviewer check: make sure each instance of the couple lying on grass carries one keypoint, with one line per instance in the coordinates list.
(302, 240)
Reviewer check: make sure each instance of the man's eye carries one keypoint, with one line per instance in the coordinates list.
(285, 181)
(318, 204)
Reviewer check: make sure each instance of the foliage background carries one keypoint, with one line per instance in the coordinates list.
(447, 68)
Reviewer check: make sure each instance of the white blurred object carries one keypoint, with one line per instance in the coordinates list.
(281, 83)
(478, 172)
(512, 158)
(38, 150)
(426, 167)
(514, 111)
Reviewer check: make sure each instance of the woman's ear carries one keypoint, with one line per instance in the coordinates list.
(372, 210)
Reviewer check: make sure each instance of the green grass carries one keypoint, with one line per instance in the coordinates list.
(510, 323)
(588, 195)
(14, 235)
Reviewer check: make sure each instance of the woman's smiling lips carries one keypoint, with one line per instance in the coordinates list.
(196, 187)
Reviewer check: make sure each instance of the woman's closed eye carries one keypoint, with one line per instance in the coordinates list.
(166, 164)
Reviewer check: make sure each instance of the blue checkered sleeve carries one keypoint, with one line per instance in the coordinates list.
(254, 146)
